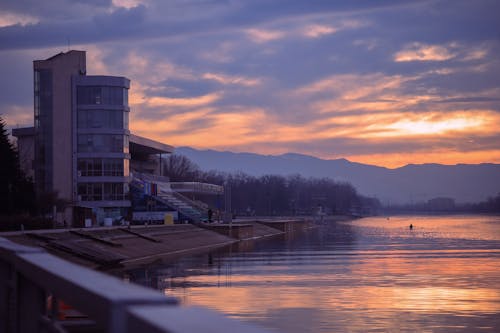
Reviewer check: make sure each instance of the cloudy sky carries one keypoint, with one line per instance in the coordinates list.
(379, 82)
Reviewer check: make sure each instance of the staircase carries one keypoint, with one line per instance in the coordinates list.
(188, 209)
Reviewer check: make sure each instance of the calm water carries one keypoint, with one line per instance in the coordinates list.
(368, 275)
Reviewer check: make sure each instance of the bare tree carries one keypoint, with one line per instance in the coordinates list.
(179, 168)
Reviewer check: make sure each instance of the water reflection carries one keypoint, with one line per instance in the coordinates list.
(365, 275)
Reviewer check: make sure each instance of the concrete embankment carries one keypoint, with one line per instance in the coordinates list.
(110, 247)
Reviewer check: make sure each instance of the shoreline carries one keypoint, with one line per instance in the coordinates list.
(109, 248)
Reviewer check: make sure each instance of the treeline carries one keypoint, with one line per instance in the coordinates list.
(17, 193)
(19, 206)
(491, 205)
(448, 206)
(274, 194)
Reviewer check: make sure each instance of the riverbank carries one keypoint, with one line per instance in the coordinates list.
(110, 247)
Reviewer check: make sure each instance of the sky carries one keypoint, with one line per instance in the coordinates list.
(382, 82)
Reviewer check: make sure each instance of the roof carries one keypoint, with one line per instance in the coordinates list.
(23, 131)
(63, 53)
(139, 144)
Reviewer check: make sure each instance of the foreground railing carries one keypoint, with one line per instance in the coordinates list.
(30, 278)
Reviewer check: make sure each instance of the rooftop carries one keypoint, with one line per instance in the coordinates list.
(139, 144)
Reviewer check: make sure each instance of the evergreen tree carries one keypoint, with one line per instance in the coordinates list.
(16, 191)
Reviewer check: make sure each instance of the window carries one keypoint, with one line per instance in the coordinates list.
(126, 168)
(102, 143)
(36, 80)
(102, 119)
(95, 95)
(89, 167)
(113, 167)
(125, 120)
(113, 191)
(125, 97)
(102, 191)
(90, 191)
(96, 167)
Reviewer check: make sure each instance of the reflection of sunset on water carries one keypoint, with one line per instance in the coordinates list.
(372, 273)
(448, 288)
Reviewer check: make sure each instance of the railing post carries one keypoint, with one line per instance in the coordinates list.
(31, 306)
(6, 298)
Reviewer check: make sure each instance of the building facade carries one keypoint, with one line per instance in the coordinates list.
(81, 136)
(81, 148)
(101, 144)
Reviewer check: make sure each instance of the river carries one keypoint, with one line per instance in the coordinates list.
(367, 275)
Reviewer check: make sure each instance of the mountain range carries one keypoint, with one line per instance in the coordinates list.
(413, 183)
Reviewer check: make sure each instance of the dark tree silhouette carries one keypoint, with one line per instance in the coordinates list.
(180, 169)
(16, 191)
(292, 195)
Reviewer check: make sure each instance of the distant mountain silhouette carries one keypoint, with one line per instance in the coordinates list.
(409, 184)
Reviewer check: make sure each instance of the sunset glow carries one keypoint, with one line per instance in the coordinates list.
(328, 81)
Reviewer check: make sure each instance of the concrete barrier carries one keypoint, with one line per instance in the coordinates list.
(28, 276)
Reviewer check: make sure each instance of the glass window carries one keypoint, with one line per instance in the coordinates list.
(113, 191)
(96, 167)
(113, 167)
(125, 120)
(81, 119)
(96, 191)
(102, 143)
(101, 119)
(37, 82)
(90, 191)
(102, 191)
(126, 168)
(125, 144)
(125, 97)
(95, 95)
(89, 167)
(82, 167)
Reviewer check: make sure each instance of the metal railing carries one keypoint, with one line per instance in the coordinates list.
(28, 276)
(195, 187)
(198, 205)
(150, 177)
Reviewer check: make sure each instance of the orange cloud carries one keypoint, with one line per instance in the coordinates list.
(318, 30)
(127, 3)
(181, 102)
(8, 19)
(229, 128)
(351, 86)
(423, 52)
(263, 36)
(229, 79)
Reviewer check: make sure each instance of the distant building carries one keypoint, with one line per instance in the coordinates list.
(441, 204)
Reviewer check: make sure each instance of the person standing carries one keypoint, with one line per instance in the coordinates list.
(210, 213)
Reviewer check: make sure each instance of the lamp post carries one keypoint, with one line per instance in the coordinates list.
(228, 217)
